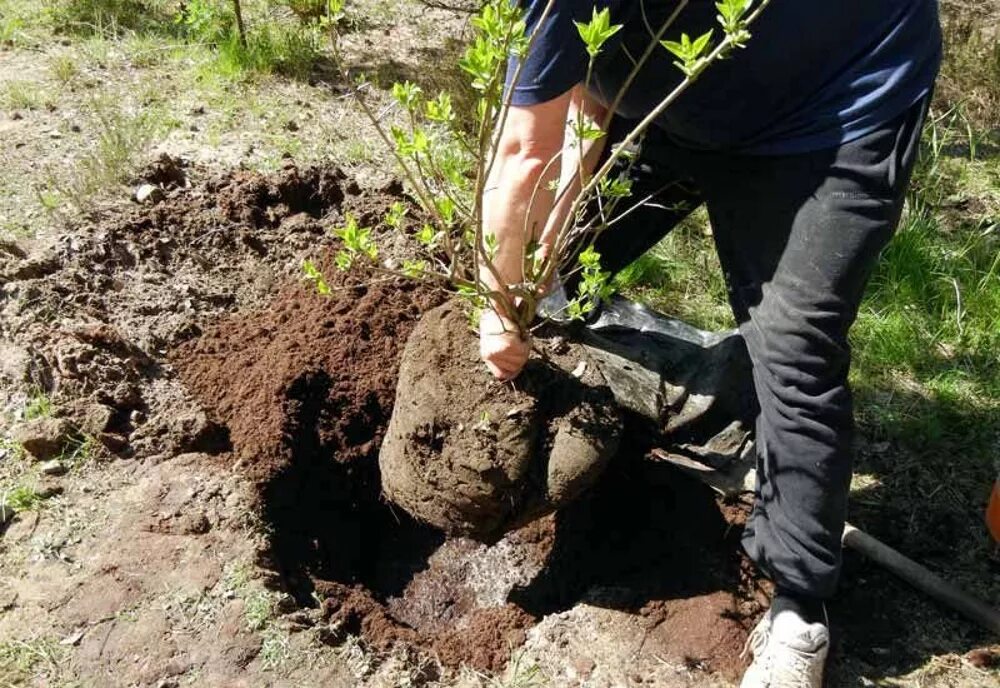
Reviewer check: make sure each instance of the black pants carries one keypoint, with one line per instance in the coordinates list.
(797, 237)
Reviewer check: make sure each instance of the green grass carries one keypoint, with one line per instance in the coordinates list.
(21, 498)
(29, 662)
(24, 95)
(64, 69)
(39, 406)
(681, 276)
(122, 135)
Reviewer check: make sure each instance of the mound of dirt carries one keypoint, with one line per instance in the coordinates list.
(476, 457)
(306, 389)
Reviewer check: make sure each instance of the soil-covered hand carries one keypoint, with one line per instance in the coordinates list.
(501, 347)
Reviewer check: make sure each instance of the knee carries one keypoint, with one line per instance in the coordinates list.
(798, 345)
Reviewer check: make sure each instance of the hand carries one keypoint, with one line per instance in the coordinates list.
(501, 347)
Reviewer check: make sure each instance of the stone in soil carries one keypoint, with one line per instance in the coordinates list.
(475, 457)
(43, 438)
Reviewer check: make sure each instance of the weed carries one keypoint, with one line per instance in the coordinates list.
(970, 73)
(22, 661)
(275, 648)
(48, 199)
(23, 95)
(122, 136)
(38, 406)
(64, 68)
(266, 46)
(258, 609)
(21, 498)
(237, 577)
(11, 450)
(12, 30)
(80, 451)
(108, 17)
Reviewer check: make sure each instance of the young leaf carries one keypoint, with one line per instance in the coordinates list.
(394, 218)
(311, 273)
(406, 94)
(597, 31)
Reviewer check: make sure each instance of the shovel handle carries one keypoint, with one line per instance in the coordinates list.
(922, 578)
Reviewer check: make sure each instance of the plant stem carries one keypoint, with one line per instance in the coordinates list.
(241, 27)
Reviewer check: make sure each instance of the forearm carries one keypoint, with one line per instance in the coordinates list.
(516, 205)
(518, 198)
(579, 162)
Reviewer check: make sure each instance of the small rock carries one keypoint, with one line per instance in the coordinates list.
(73, 638)
(984, 658)
(149, 194)
(53, 467)
(43, 438)
(49, 488)
(55, 134)
(96, 419)
(16, 116)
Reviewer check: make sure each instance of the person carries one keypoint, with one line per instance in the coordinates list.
(801, 146)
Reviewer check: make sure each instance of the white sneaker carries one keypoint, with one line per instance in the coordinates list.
(788, 652)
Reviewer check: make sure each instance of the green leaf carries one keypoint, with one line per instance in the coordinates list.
(344, 260)
(394, 218)
(414, 268)
(690, 53)
(440, 109)
(585, 129)
(407, 94)
(314, 275)
(597, 31)
(428, 236)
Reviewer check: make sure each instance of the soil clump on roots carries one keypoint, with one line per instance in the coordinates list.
(476, 457)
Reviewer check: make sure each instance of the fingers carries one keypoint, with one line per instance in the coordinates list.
(504, 359)
(504, 354)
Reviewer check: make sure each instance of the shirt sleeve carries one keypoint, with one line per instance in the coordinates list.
(557, 60)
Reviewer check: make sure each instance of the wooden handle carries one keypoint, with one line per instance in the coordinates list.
(922, 578)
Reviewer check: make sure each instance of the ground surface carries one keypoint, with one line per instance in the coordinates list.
(218, 523)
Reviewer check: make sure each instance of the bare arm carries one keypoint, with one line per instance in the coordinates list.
(518, 194)
(519, 205)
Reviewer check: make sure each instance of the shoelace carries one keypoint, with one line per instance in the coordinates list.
(756, 641)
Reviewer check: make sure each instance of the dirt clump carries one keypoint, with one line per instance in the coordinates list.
(306, 388)
(476, 457)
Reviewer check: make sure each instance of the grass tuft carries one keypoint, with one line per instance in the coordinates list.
(29, 662)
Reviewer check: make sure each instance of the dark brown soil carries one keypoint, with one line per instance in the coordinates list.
(475, 457)
(305, 389)
(88, 319)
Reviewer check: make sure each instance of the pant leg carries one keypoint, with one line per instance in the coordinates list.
(798, 237)
(667, 197)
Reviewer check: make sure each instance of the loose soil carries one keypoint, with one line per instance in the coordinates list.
(305, 388)
(239, 417)
(476, 457)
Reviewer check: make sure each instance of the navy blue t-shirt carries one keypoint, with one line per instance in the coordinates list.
(814, 74)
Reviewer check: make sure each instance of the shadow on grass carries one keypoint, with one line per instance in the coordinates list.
(926, 468)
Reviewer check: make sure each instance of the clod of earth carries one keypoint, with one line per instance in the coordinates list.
(476, 457)
(43, 438)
